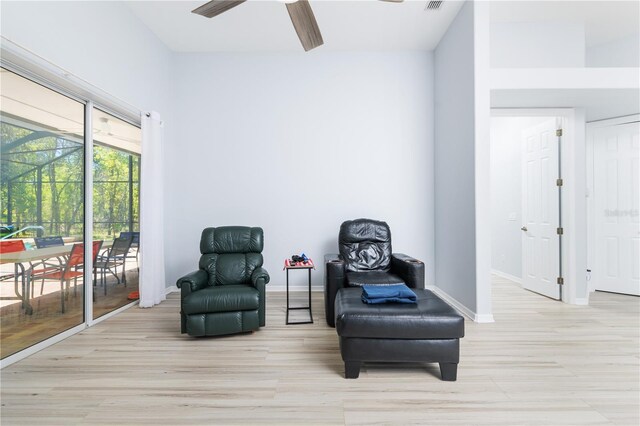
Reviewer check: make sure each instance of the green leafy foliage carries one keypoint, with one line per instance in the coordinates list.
(51, 168)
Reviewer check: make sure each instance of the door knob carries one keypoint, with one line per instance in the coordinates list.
(524, 228)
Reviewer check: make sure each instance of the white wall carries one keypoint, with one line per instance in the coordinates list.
(455, 235)
(620, 53)
(296, 144)
(506, 192)
(537, 45)
(100, 42)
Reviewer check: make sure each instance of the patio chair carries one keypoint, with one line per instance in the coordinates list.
(116, 256)
(71, 269)
(44, 242)
(135, 244)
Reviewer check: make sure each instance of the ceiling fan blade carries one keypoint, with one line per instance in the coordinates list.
(305, 24)
(216, 7)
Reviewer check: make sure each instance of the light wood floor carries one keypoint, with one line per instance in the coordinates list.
(19, 330)
(542, 362)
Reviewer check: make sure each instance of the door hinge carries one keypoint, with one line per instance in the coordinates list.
(560, 231)
(560, 280)
(559, 132)
(559, 182)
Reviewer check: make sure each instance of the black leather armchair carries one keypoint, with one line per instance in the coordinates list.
(226, 294)
(366, 258)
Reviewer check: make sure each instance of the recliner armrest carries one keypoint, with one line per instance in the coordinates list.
(335, 269)
(192, 282)
(411, 270)
(259, 279)
(259, 273)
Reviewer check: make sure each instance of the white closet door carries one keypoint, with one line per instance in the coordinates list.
(540, 210)
(616, 195)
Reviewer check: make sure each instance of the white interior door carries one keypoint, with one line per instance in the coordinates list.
(616, 194)
(540, 209)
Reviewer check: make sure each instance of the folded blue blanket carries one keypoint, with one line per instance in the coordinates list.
(397, 293)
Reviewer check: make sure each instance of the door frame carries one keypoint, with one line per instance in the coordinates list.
(573, 163)
(590, 147)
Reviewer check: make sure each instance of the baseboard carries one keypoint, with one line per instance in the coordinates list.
(583, 301)
(509, 277)
(484, 318)
(283, 287)
(270, 287)
(479, 318)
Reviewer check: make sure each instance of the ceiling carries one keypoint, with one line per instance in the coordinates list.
(365, 25)
(265, 26)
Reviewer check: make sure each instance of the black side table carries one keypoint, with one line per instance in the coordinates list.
(309, 266)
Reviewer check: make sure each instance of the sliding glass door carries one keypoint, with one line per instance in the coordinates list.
(42, 213)
(116, 207)
(44, 157)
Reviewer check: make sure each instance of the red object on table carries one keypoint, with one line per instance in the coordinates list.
(11, 246)
(298, 265)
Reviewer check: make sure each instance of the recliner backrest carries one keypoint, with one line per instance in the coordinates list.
(230, 254)
(365, 245)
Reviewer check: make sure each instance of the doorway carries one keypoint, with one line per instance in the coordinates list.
(613, 205)
(526, 202)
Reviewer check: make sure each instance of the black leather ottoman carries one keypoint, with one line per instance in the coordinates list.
(428, 331)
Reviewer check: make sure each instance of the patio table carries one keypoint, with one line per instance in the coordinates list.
(28, 256)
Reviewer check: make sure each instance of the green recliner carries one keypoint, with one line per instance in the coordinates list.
(227, 294)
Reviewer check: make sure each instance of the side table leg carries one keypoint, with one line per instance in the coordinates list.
(310, 311)
(287, 320)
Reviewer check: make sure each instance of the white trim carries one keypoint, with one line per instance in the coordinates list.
(482, 161)
(301, 288)
(270, 288)
(564, 78)
(531, 112)
(11, 359)
(574, 209)
(482, 318)
(88, 213)
(581, 301)
(509, 277)
(613, 121)
(589, 146)
(274, 288)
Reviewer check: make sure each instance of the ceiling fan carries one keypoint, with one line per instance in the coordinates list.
(300, 12)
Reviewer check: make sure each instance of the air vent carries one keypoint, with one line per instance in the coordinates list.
(434, 5)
